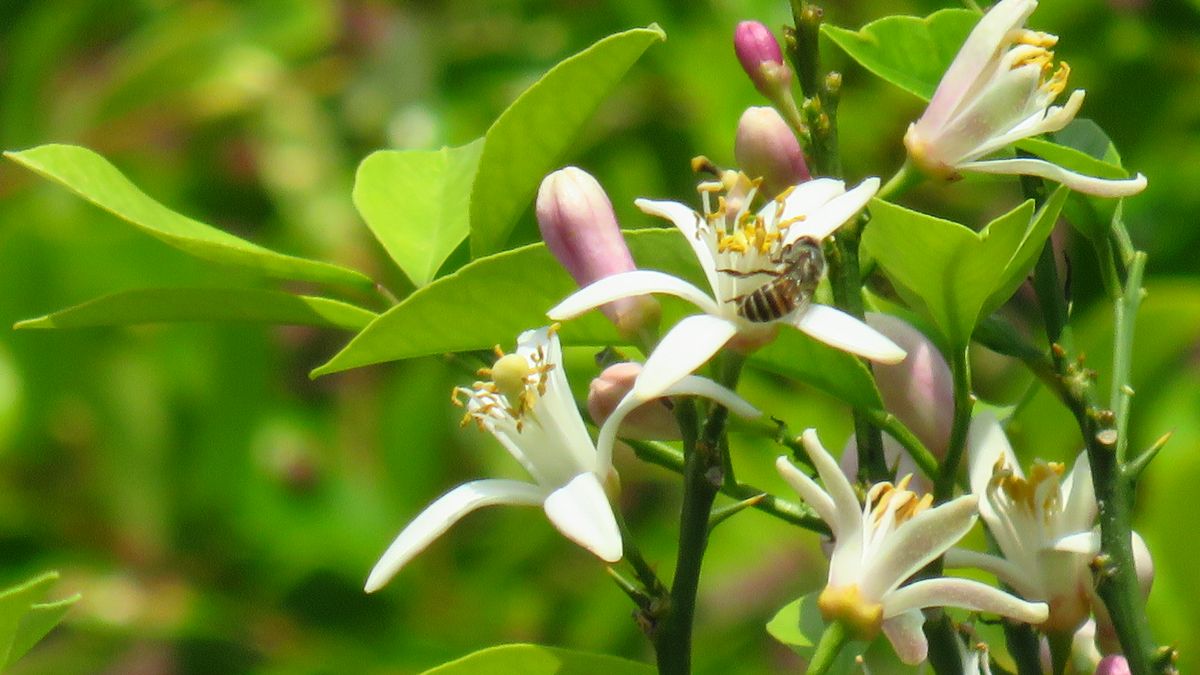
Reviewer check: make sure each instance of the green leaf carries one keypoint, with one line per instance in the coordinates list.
(798, 356)
(1084, 147)
(1071, 158)
(24, 620)
(537, 660)
(953, 274)
(799, 623)
(164, 305)
(530, 138)
(492, 299)
(908, 51)
(417, 203)
(92, 177)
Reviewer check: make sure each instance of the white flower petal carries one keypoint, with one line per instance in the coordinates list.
(978, 51)
(1006, 571)
(986, 446)
(1041, 122)
(1079, 510)
(444, 512)
(694, 385)
(821, 223)
(581, 511)
(917, 542)
(555, 412)
(626, 285)
(848, 511)
(1090, 185)
(682, 350)
(810, 492)
(965, 593)
(1085, 543)
(905, 632)
(838, 329)
(688, 222)
(803, 199)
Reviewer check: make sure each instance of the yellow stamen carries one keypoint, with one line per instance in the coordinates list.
(1035, 38)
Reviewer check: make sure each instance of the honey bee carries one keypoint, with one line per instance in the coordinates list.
(792, 287)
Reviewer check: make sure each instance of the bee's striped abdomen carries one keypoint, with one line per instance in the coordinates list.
(768, 302)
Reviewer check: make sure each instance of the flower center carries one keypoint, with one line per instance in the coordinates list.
(846, 604)
(1037, 52)
(902, 502)
(1038, 494)
(515, 383)
(733, 224)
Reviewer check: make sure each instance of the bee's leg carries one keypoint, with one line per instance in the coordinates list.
(742, 275)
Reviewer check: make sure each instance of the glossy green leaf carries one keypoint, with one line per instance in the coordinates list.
(168, 305)
(798, 623)
(492, 299)
(537, 660)
(1084, 147)
(92, 177)
(908, 51)
(798, 356)
(417, 203)
(1072, 158)
(953, 274)
(531, 137)
(24, 619)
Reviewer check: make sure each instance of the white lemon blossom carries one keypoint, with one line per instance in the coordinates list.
(739, 251)
(879, 545)
(527, 405)
(1042, 524)
(997, 91)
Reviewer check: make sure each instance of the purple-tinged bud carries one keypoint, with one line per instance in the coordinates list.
(1113, 664)
(766, 148)
(762, 59)
(579, 227)
(653, 420)
(919, 390)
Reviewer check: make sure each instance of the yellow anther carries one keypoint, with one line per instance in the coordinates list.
(1035, 38)
(1058, 82)
(785, 224)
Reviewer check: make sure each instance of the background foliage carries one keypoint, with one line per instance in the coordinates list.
(218, 510)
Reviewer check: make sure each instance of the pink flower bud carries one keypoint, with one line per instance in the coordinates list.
(919, 390)
(761, 58)
(1114, 664)
(652, 420)
(766, 148)
(579, 227)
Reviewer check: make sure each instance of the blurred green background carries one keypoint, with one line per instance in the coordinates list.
(219, 511)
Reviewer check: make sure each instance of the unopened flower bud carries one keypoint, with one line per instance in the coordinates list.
(652, 420)
(919, 390)
(766, 148)
(1114, 664)
(762, 59)
(579, 227)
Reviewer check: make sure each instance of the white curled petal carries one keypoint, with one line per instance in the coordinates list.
(916, 542)
(627, 285)
(607, 437)
(694, 385)
(687, 221)
(1005, 571)
(444, 512)
(821, 223)
(838, 329)
(905, 633)
(803, 200)
(1085, 543)
(810, 492)
(1079, 511)
(580, 510)
(971, 62)
(986, 446)
(848, 510)
(689, 344)
(1088, 185)
(1041, 122)
(964, 593)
